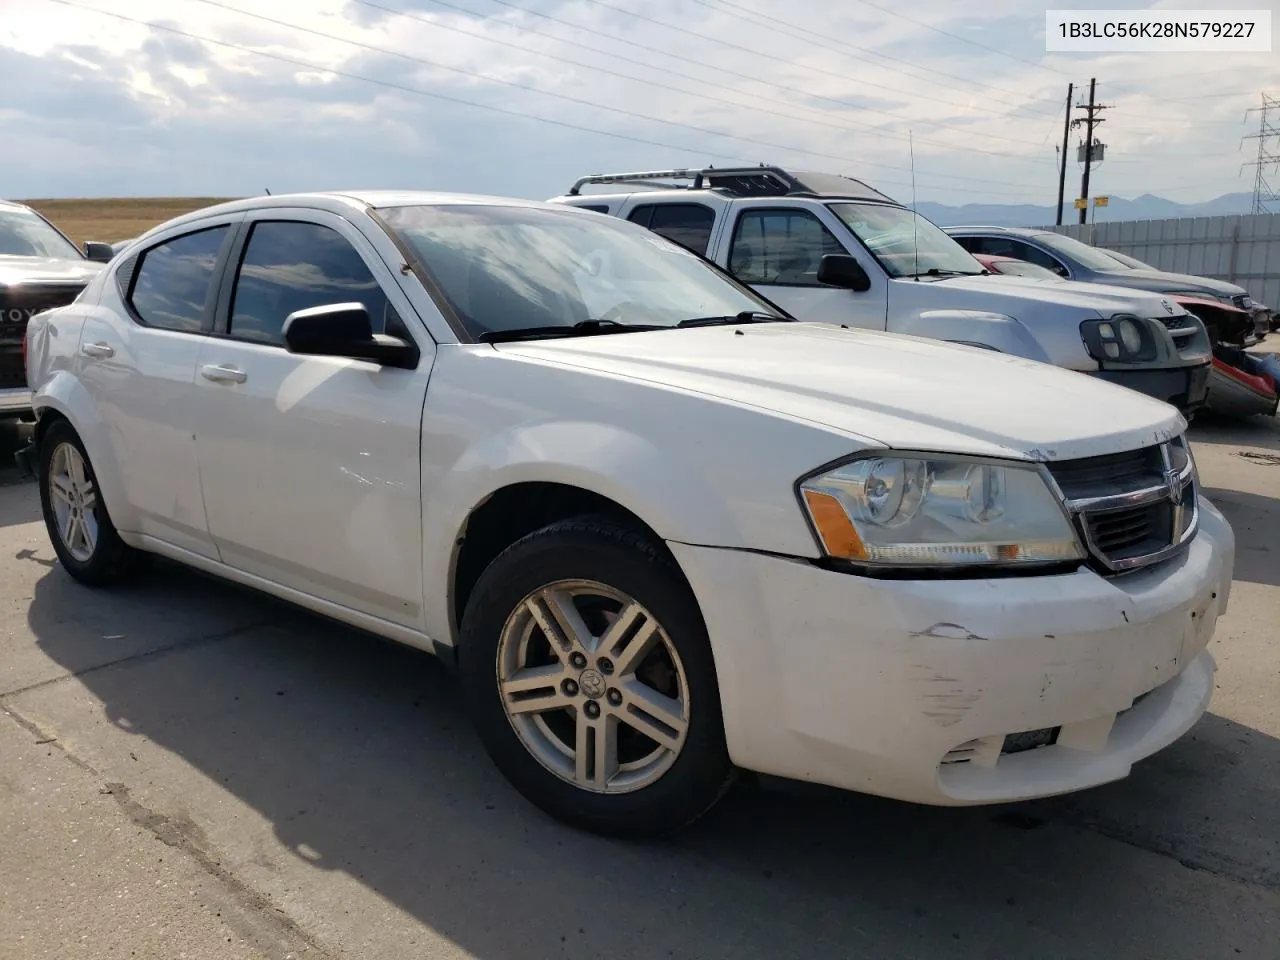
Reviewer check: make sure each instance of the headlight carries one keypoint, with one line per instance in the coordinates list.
(937, 511)
(1122, 338)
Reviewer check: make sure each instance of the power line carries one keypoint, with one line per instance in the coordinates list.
(848, 126)
(417, 91)
(721, 70)
(792, 63)
(877, 58)
(956, 36)
(593, 104)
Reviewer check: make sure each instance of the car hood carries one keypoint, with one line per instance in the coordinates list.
(14, 270)
(903, 392)
(1161, 282)
(1096, 299)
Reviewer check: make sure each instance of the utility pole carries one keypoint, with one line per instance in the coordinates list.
(1263, 193)
(1066, 143)
(1091, 120)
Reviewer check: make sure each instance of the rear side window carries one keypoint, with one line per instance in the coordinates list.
(289, 266)
(780, 246)
(688, 224)
(175, 280)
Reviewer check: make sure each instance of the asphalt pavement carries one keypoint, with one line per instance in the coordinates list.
(191, 770)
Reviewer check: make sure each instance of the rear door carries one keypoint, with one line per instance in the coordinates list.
(137, 360)
(692, 225)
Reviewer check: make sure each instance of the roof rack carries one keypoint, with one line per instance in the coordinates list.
(759, 181)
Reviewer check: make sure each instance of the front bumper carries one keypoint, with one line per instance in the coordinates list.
(909, 688)
(1185, 387)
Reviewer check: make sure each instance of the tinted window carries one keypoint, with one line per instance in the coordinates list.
(688, 224)
(289, 266)
(175, 280)
(780, 246)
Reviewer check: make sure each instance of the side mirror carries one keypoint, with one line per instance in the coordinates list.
(98, 252)
(344, 330)
(840, 270)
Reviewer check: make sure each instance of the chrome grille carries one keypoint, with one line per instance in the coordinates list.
(1131, 531)
(1132, 508)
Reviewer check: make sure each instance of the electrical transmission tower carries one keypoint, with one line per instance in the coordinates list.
(1268, 155)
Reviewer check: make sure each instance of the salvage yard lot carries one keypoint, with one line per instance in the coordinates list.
(188, 769)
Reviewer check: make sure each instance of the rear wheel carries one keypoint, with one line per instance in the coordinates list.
(591, 681)
(83, 536)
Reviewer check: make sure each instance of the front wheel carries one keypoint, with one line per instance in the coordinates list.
(590, 678)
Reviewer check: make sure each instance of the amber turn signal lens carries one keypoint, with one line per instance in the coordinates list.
(834, 526)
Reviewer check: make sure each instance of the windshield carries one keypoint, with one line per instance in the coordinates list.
(1021, 268)
(1082, 253)
(24, 234)
(512, 268)
(905, 243)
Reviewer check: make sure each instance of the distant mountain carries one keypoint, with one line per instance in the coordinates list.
(1145, 207)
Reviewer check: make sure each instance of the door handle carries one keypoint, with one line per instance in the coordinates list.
(223, 373)
(99, 350)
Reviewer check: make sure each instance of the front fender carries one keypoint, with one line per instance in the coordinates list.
(674, 499)
(980, 328)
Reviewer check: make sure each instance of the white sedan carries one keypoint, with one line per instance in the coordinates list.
(664, 531)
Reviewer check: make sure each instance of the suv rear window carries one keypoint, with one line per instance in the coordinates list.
(688, 224)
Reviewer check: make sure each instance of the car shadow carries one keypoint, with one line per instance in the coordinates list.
(1214, 429)
(1253, 519)
(360, 756)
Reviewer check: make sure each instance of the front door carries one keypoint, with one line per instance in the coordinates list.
(777, 250)
(310, 465)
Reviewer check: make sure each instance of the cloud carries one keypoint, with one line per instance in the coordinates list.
(521, 96)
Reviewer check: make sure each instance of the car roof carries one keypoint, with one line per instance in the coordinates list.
(14, 205)
(341, 201)
(1016, 231)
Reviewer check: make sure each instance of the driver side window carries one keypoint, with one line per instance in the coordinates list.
(1025, 251)
(289, 265)
(781, 247)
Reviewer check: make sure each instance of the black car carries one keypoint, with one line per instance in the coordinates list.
(39, 269)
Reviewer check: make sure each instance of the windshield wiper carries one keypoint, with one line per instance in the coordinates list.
(583, 328)
(935, 272)
(746, 316)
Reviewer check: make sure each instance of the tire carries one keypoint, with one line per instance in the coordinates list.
(626, 795)
(97, 560)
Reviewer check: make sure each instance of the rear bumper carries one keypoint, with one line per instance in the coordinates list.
(1185, 387)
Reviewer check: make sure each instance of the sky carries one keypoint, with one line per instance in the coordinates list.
(520, 97)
